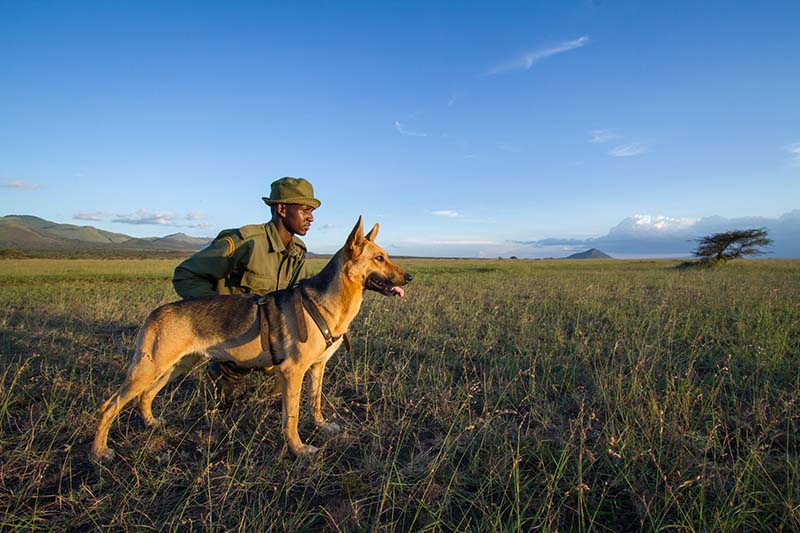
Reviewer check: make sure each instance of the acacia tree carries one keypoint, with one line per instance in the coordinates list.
(721, 247)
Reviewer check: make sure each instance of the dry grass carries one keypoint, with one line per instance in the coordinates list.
(498, 395)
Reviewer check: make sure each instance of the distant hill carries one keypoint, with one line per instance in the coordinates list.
(592, 253)
(29, 233)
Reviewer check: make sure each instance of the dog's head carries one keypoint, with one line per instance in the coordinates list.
(369, 264)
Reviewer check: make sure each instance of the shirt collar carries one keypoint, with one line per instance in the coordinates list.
(275, 243)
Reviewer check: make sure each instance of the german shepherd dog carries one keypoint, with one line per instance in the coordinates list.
(178, 336)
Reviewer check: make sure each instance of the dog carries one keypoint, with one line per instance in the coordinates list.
(178, 336)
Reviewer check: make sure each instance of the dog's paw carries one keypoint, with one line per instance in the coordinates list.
(103, 456)
(156, 421)
(306, 450)
(331, 428)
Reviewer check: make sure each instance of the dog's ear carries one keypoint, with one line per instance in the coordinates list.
(373, 233)
(355, 240)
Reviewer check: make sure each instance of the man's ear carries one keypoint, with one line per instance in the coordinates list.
(373, 233)
(353, 244)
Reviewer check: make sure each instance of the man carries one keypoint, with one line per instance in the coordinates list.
(254, 259)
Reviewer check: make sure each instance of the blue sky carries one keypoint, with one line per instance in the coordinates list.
(464, 128)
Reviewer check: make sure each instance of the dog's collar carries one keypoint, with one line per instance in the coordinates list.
(319, 320)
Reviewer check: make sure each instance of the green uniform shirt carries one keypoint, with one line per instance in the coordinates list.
(251, 259)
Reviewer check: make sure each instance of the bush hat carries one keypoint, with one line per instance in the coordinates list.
(291, 191)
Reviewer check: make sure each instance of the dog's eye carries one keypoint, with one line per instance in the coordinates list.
(379, 259)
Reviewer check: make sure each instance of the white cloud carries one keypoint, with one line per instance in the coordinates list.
(794, 152)
(664, 236)
(509, 148)
(603, 136)
(628, 150)
(448, 213)
(19, 184)
(650, 224)
(161, 218)
(92, 216)
(400, 127)
(143, 217)
(526, 61)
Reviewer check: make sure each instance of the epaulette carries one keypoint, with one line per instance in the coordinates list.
(251, 230)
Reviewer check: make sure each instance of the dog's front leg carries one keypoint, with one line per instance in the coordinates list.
(291, 381)
(317, 370)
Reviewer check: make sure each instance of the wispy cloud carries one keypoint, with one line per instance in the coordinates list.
(603, 136)
(526, 61)
(401, 128)
(509, 148)
(144, 217)
(19, 184)
(794, 153)
(160, 218)
(628, 150)
(93, 216)
(447, 213)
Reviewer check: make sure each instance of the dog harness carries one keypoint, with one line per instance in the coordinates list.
(269, 312)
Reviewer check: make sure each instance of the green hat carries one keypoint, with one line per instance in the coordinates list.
(291, 191)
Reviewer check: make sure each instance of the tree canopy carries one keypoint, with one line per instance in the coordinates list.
(721, 247)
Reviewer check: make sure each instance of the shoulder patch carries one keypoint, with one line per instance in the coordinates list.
(231, 245)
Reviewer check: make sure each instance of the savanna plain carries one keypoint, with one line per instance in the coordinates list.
(498, 395)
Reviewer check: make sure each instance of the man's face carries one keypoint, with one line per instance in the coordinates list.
(296, 218)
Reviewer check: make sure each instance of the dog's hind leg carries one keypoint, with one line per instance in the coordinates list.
(317, 371)
(146, 397)
(129, 390)
(142, 373)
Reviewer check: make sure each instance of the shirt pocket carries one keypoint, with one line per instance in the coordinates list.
(257, 282)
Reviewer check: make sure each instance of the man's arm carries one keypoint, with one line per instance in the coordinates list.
(198, 275)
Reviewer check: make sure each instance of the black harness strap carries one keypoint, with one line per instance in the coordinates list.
(319, 320)
(263, 324)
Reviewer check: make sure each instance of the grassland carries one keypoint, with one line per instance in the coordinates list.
(497, 396)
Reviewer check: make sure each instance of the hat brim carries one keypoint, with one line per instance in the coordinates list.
(312, 202)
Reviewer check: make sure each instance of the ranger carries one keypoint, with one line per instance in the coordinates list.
(254, 259)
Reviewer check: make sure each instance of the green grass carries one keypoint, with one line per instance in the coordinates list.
(497, 396)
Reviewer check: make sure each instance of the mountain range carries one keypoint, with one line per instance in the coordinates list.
(26, 233)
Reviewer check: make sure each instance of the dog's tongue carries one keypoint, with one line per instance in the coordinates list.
(398, 291)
